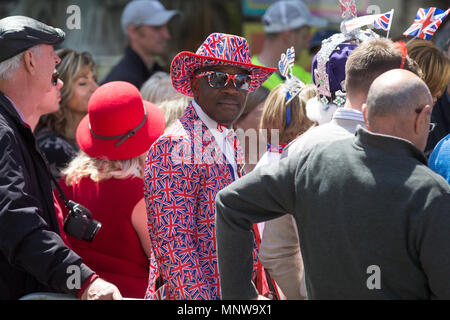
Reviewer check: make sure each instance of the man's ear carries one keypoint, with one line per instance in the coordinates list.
(132, 31)
(422, 120)
(366, 121)
(29, 60)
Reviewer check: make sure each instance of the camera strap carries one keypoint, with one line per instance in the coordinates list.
(61, 192)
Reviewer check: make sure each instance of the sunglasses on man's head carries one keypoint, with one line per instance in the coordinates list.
(55, 77)
(219, 79)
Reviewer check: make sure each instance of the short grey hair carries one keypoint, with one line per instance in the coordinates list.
(159, 88)
(10, 66)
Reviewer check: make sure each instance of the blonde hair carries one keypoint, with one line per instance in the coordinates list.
(174, 109)
(102, 169)
(159, 88)
(274, 113)
(434, 64)
(70, 68)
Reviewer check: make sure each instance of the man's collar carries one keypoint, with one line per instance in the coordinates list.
(348, 114)
(17, 110)
(210, 123)
(389, 144)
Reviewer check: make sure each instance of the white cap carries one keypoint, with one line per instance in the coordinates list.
(146, 12)
(288, 15)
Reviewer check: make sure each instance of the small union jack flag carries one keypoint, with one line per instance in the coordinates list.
(283, 65)
(286, 62)
(290, 55)
(426, 23)
(384, 21)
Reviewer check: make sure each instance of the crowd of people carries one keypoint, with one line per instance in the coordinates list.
(154, 185)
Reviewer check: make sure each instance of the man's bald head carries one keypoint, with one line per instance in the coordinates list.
(395, 101)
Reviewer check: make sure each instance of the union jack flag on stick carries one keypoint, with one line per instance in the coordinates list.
(426, 23)
(384, 22)
(379, 21)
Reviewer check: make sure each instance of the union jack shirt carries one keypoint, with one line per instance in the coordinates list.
(185, 169)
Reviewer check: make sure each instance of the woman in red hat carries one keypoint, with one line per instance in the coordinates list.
(106, 178)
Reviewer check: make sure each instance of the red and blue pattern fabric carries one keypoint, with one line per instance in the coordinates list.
(426, 23)
(185, 169)
(383, 21)
(217, 49)
(276, 148)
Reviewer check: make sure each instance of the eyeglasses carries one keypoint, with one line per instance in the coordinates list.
(55, 77)
(219, 79)
(431, 126)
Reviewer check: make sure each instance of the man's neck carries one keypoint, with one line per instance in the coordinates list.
(23, 102)
(269, 56)
(355, 104)
(148, 60)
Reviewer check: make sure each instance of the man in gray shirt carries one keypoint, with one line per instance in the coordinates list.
(280, 252)
(371, 216)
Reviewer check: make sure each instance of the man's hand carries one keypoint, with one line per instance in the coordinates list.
(99, 289)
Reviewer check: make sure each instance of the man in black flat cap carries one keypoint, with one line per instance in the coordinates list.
(33, 257)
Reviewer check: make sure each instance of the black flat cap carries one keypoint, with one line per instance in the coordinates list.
(19, 33)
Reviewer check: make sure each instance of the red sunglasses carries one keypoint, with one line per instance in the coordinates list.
(219, 79)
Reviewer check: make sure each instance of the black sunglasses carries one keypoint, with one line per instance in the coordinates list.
(55, 77)
(219, 79)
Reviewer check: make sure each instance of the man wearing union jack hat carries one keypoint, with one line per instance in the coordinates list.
(197, 157)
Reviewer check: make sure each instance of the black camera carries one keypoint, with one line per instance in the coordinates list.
(79, 222)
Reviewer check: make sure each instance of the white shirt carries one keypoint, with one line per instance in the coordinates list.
(220, 137)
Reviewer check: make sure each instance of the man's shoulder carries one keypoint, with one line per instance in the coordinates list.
(129, 69)
(302, 74)
(426, 178)
(6, 129)
(315, 135)
(255, 60)
(175, 134)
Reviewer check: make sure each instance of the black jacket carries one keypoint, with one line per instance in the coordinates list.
(131, 69)
(32, 255)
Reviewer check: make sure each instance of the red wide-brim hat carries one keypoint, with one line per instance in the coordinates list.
(217, 49)
(119, 125)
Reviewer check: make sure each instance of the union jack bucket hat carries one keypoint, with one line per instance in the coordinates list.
(217, 49)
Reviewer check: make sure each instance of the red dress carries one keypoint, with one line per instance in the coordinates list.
(115, 254)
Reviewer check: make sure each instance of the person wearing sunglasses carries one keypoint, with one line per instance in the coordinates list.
(196, 157)
(55, 131)
(33, 257)
(50, 102)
